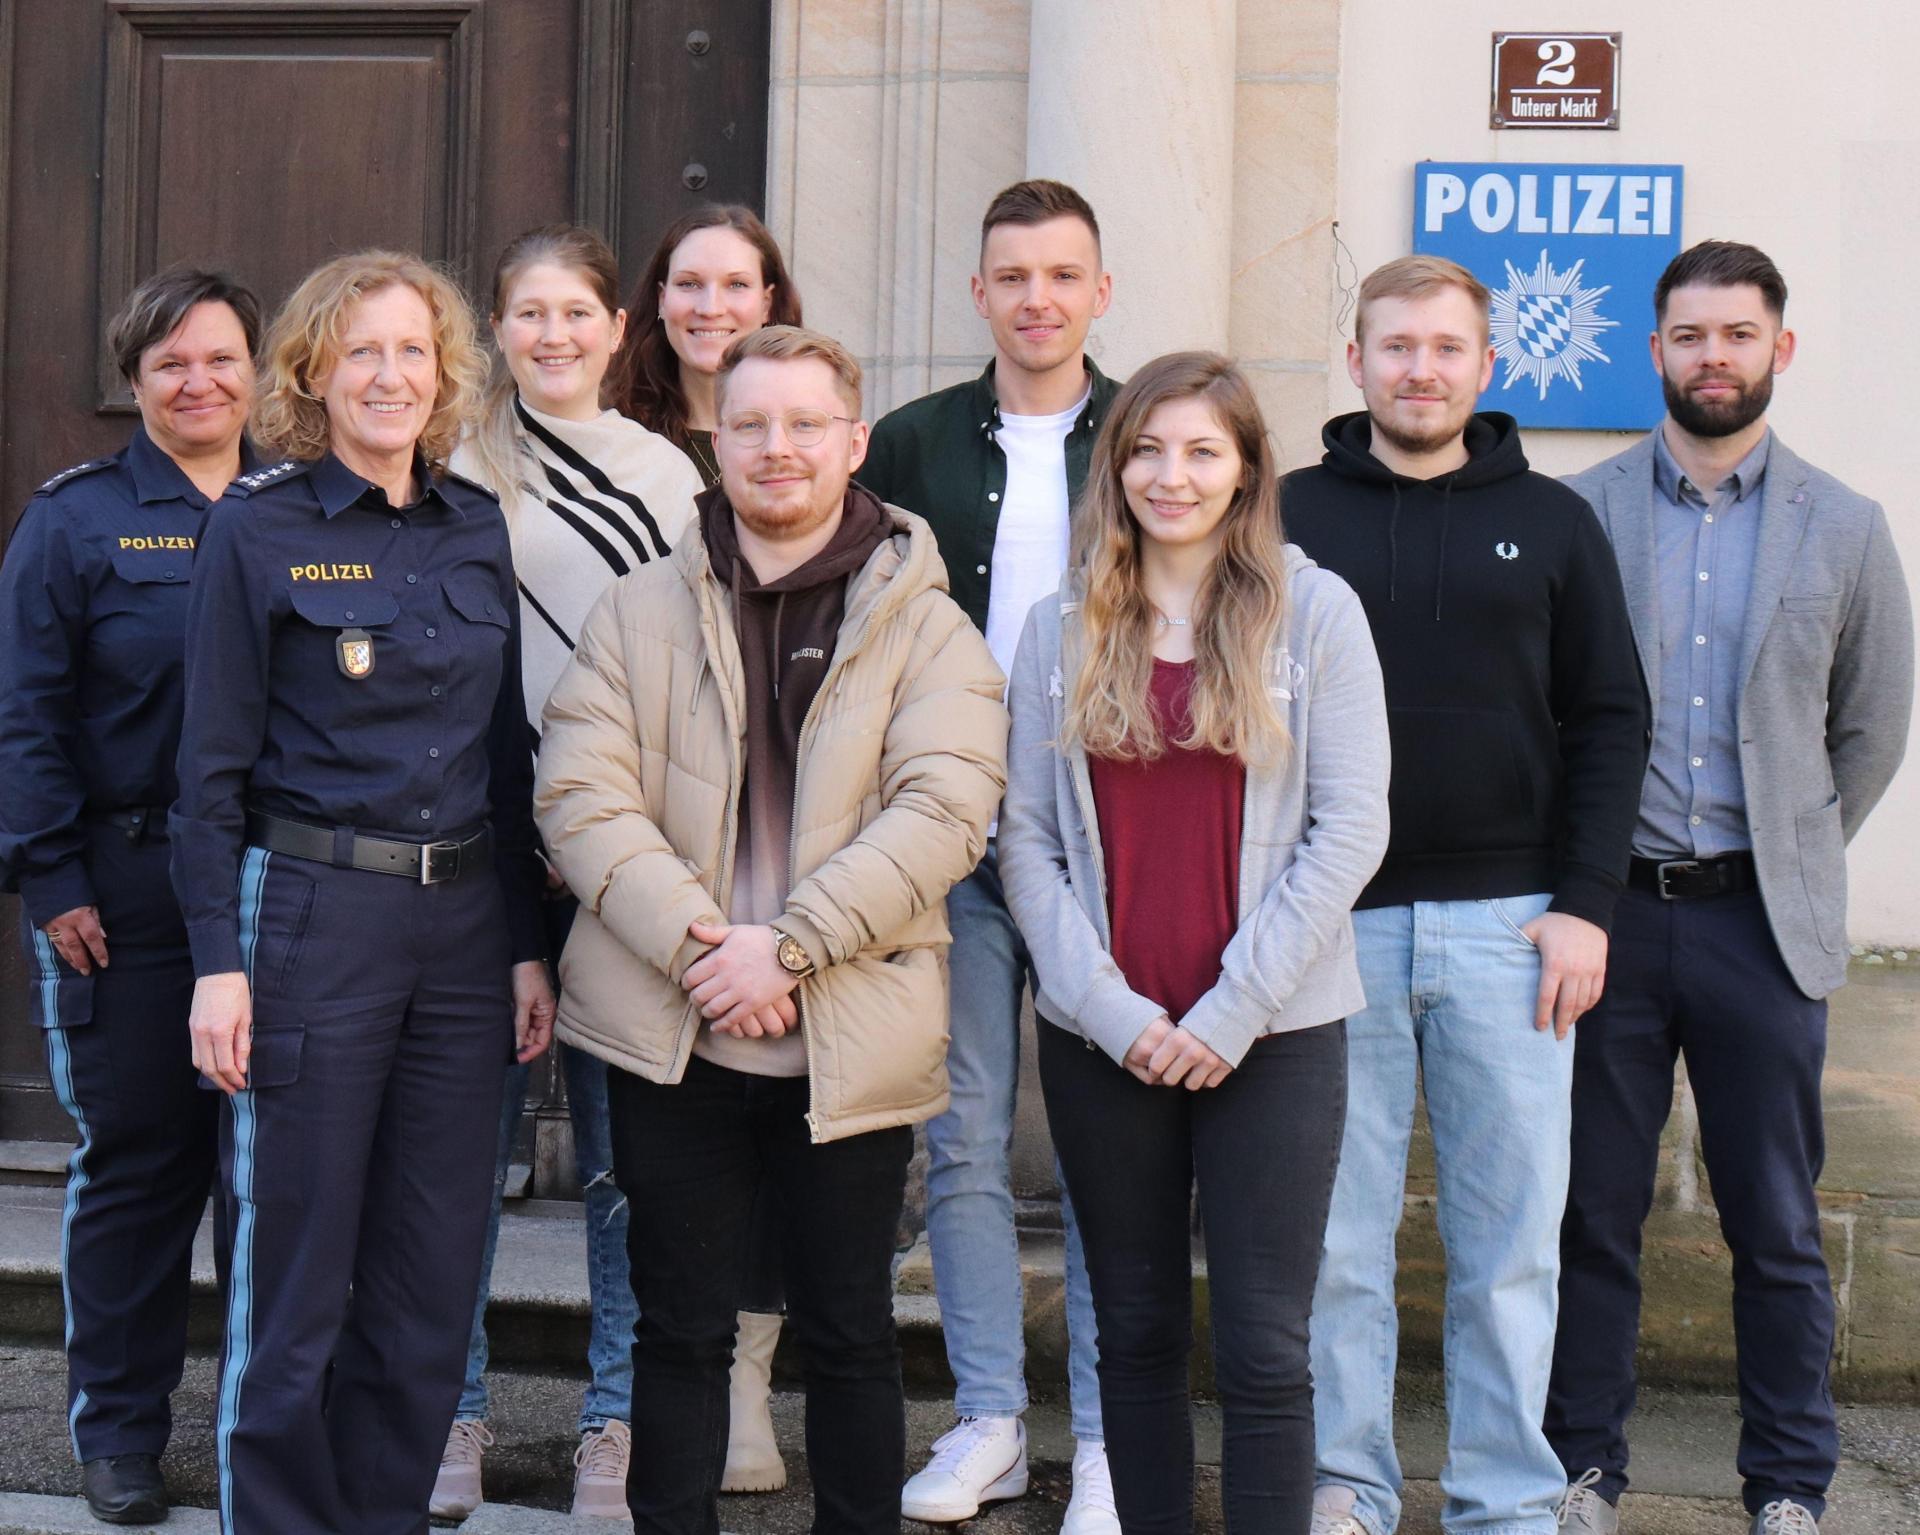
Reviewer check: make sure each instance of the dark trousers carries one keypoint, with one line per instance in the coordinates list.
(361, 1163)
(1262, 1148)
(122, 1066)
(693, 1158)
(1701, 978)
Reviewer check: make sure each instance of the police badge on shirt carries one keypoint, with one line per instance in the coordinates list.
(354, 651)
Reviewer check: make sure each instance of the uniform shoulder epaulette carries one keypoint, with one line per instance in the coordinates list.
(91, 466)
(246, 484)
(468, 481)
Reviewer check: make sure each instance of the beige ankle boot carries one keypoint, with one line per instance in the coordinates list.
(753, 1459)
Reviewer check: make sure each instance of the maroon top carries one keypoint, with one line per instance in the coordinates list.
(1170, 832)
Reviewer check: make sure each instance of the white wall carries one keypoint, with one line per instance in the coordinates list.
(1797, 127)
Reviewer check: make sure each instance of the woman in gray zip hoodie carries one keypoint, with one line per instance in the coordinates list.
(1197, 792)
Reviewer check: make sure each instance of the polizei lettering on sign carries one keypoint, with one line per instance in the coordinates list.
(1575, 202)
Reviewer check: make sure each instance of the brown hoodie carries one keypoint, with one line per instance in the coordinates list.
(786, 629)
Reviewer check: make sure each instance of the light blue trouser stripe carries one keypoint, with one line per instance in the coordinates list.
(253, 876)
(60, 1064)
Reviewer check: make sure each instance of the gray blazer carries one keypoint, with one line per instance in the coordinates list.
(1827, 689)
(1313, 829)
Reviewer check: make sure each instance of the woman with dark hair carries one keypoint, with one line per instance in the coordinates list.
(93, 608)
(716, 274)
(588, 496)
(1197, 792)
(355, 855)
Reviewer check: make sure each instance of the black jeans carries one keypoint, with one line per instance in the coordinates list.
(1262, 1148)
(692, 1159)
(1703, 978)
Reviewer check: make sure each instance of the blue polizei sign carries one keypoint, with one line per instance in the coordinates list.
(1570, 254)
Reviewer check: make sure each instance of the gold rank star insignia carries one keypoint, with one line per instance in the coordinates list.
(355, 653)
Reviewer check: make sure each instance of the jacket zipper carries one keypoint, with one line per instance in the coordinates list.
(827, 683)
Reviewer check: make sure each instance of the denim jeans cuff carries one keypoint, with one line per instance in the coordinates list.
(989, 1410)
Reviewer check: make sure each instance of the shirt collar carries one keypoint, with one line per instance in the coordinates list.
(338, 487)
(986, 397)
(1746, 476)
(156, 477)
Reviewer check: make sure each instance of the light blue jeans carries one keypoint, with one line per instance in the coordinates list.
(1451, 988)
(614, 1310)
(970, 1227)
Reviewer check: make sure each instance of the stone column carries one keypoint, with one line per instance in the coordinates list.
(1132, 102)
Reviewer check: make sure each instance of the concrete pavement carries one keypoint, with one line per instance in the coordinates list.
(1683, 1446)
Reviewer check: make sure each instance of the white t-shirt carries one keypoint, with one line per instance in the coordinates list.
(1030, 540)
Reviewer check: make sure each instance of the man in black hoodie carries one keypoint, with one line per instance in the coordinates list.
(1519, 740)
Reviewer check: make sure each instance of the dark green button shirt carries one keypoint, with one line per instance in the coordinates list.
(937, 456)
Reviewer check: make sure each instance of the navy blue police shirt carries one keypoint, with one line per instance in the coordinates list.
(93, 619)
(351, 664)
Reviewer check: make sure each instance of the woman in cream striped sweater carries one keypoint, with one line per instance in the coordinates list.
(588, 496)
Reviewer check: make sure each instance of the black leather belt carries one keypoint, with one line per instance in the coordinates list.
(1688, 879)
(429, 863)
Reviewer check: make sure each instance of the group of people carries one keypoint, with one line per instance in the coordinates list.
(770, 759)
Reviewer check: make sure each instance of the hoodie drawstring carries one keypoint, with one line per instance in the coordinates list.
(1393, 548)
(779, 611)
(1440, 567)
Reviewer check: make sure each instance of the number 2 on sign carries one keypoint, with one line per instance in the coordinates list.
(1558, 66)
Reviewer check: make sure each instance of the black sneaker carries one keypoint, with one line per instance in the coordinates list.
(125, 1489)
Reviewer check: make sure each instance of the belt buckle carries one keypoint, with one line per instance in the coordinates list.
(428, 852)
(1661, 871)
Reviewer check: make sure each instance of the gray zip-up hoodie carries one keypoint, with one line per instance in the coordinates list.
(1313, 830)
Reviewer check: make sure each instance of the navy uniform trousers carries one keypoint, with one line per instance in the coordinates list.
(360, 1170)
(138, 1180)
(1702, 978)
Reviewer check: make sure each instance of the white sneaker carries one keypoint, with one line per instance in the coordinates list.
(1091, 1511)
(1333, 1511)
(456, 1490)
(978, 1460)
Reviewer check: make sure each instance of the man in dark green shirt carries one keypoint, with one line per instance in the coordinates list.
(994, 464)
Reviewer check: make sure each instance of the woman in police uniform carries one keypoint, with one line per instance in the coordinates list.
(355, 855)
(93, 607)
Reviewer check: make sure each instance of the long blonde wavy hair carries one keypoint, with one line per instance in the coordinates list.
(303, 343)
(1240, 606)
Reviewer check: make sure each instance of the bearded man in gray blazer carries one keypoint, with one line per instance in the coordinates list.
(1776, 639)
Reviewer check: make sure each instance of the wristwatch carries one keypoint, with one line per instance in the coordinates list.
(793, 957)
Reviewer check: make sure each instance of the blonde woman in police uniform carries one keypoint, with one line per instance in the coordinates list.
(354, 851)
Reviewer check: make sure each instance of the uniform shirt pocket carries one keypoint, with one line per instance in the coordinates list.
(344, 607)
(476, 602)
(153, 567)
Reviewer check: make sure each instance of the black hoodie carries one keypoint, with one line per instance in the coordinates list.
(1518, 718)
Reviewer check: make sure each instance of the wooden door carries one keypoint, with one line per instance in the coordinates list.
(264, 136)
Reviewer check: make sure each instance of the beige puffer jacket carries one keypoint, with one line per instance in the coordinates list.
(902, 762)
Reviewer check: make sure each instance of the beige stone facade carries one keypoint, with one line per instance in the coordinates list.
(1249, 159)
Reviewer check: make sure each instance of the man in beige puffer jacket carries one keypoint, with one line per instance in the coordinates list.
(769, 759)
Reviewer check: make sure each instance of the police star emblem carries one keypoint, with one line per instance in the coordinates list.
(354, 651)
(1545, 324)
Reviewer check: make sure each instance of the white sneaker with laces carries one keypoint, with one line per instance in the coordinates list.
(456, 1490)
(1583, 1511)
(1333, 1511)
(1091, 1511)
(600, 1471)
(978, 1460)
(1785, 1517)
